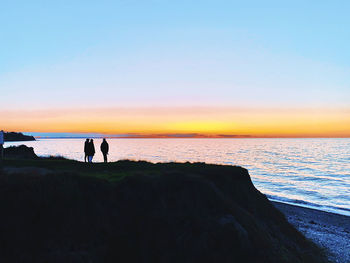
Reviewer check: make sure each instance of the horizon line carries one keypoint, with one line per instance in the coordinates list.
(80, 135)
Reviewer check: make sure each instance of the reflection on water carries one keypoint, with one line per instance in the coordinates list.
(309, 172)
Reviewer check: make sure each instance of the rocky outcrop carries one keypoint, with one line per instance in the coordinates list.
(19, 152)
(17, 136)
(158, 213)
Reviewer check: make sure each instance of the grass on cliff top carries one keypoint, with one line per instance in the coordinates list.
(115, 171)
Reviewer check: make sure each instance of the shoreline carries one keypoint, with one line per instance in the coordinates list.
(328, 230)
(313, 206)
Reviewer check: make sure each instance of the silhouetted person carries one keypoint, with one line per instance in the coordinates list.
(86, 150)
(104, 149)
(91, 150)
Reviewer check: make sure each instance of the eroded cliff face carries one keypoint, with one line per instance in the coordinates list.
(158, 213)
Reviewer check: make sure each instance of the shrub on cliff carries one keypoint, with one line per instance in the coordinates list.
(20, 152)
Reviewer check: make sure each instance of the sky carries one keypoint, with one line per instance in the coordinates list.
(202, 68)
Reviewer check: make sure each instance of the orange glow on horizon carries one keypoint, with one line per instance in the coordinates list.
(210, 122)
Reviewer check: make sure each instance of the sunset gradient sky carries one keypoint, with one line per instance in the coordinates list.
(212, 68)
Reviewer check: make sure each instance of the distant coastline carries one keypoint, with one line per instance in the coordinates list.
(40, 135)
(17, 137)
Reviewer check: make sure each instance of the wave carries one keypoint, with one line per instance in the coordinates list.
(302, 203)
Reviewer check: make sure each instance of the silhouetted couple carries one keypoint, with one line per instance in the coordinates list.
(89, 149)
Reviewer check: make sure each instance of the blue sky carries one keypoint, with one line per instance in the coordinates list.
(93, 54)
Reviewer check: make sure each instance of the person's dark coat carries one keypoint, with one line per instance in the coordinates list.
(86, 147)
(104, 147)
(91, 148)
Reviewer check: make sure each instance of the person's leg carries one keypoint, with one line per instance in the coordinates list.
(85, 158)
(105, 157)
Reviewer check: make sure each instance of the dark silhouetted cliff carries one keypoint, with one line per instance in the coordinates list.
(66, 211)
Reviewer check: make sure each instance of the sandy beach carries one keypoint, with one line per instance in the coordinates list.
(330, 231)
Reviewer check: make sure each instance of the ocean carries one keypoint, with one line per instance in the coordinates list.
(312, 173)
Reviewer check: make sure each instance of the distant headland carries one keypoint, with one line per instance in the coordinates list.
(17, 136)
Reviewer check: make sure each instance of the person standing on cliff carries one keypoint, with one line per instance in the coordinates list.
(86, 150)
(104, 149)
(91, 150)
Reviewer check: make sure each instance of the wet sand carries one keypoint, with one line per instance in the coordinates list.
(330, 231)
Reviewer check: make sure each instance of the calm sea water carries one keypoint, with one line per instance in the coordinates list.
(307, 172)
